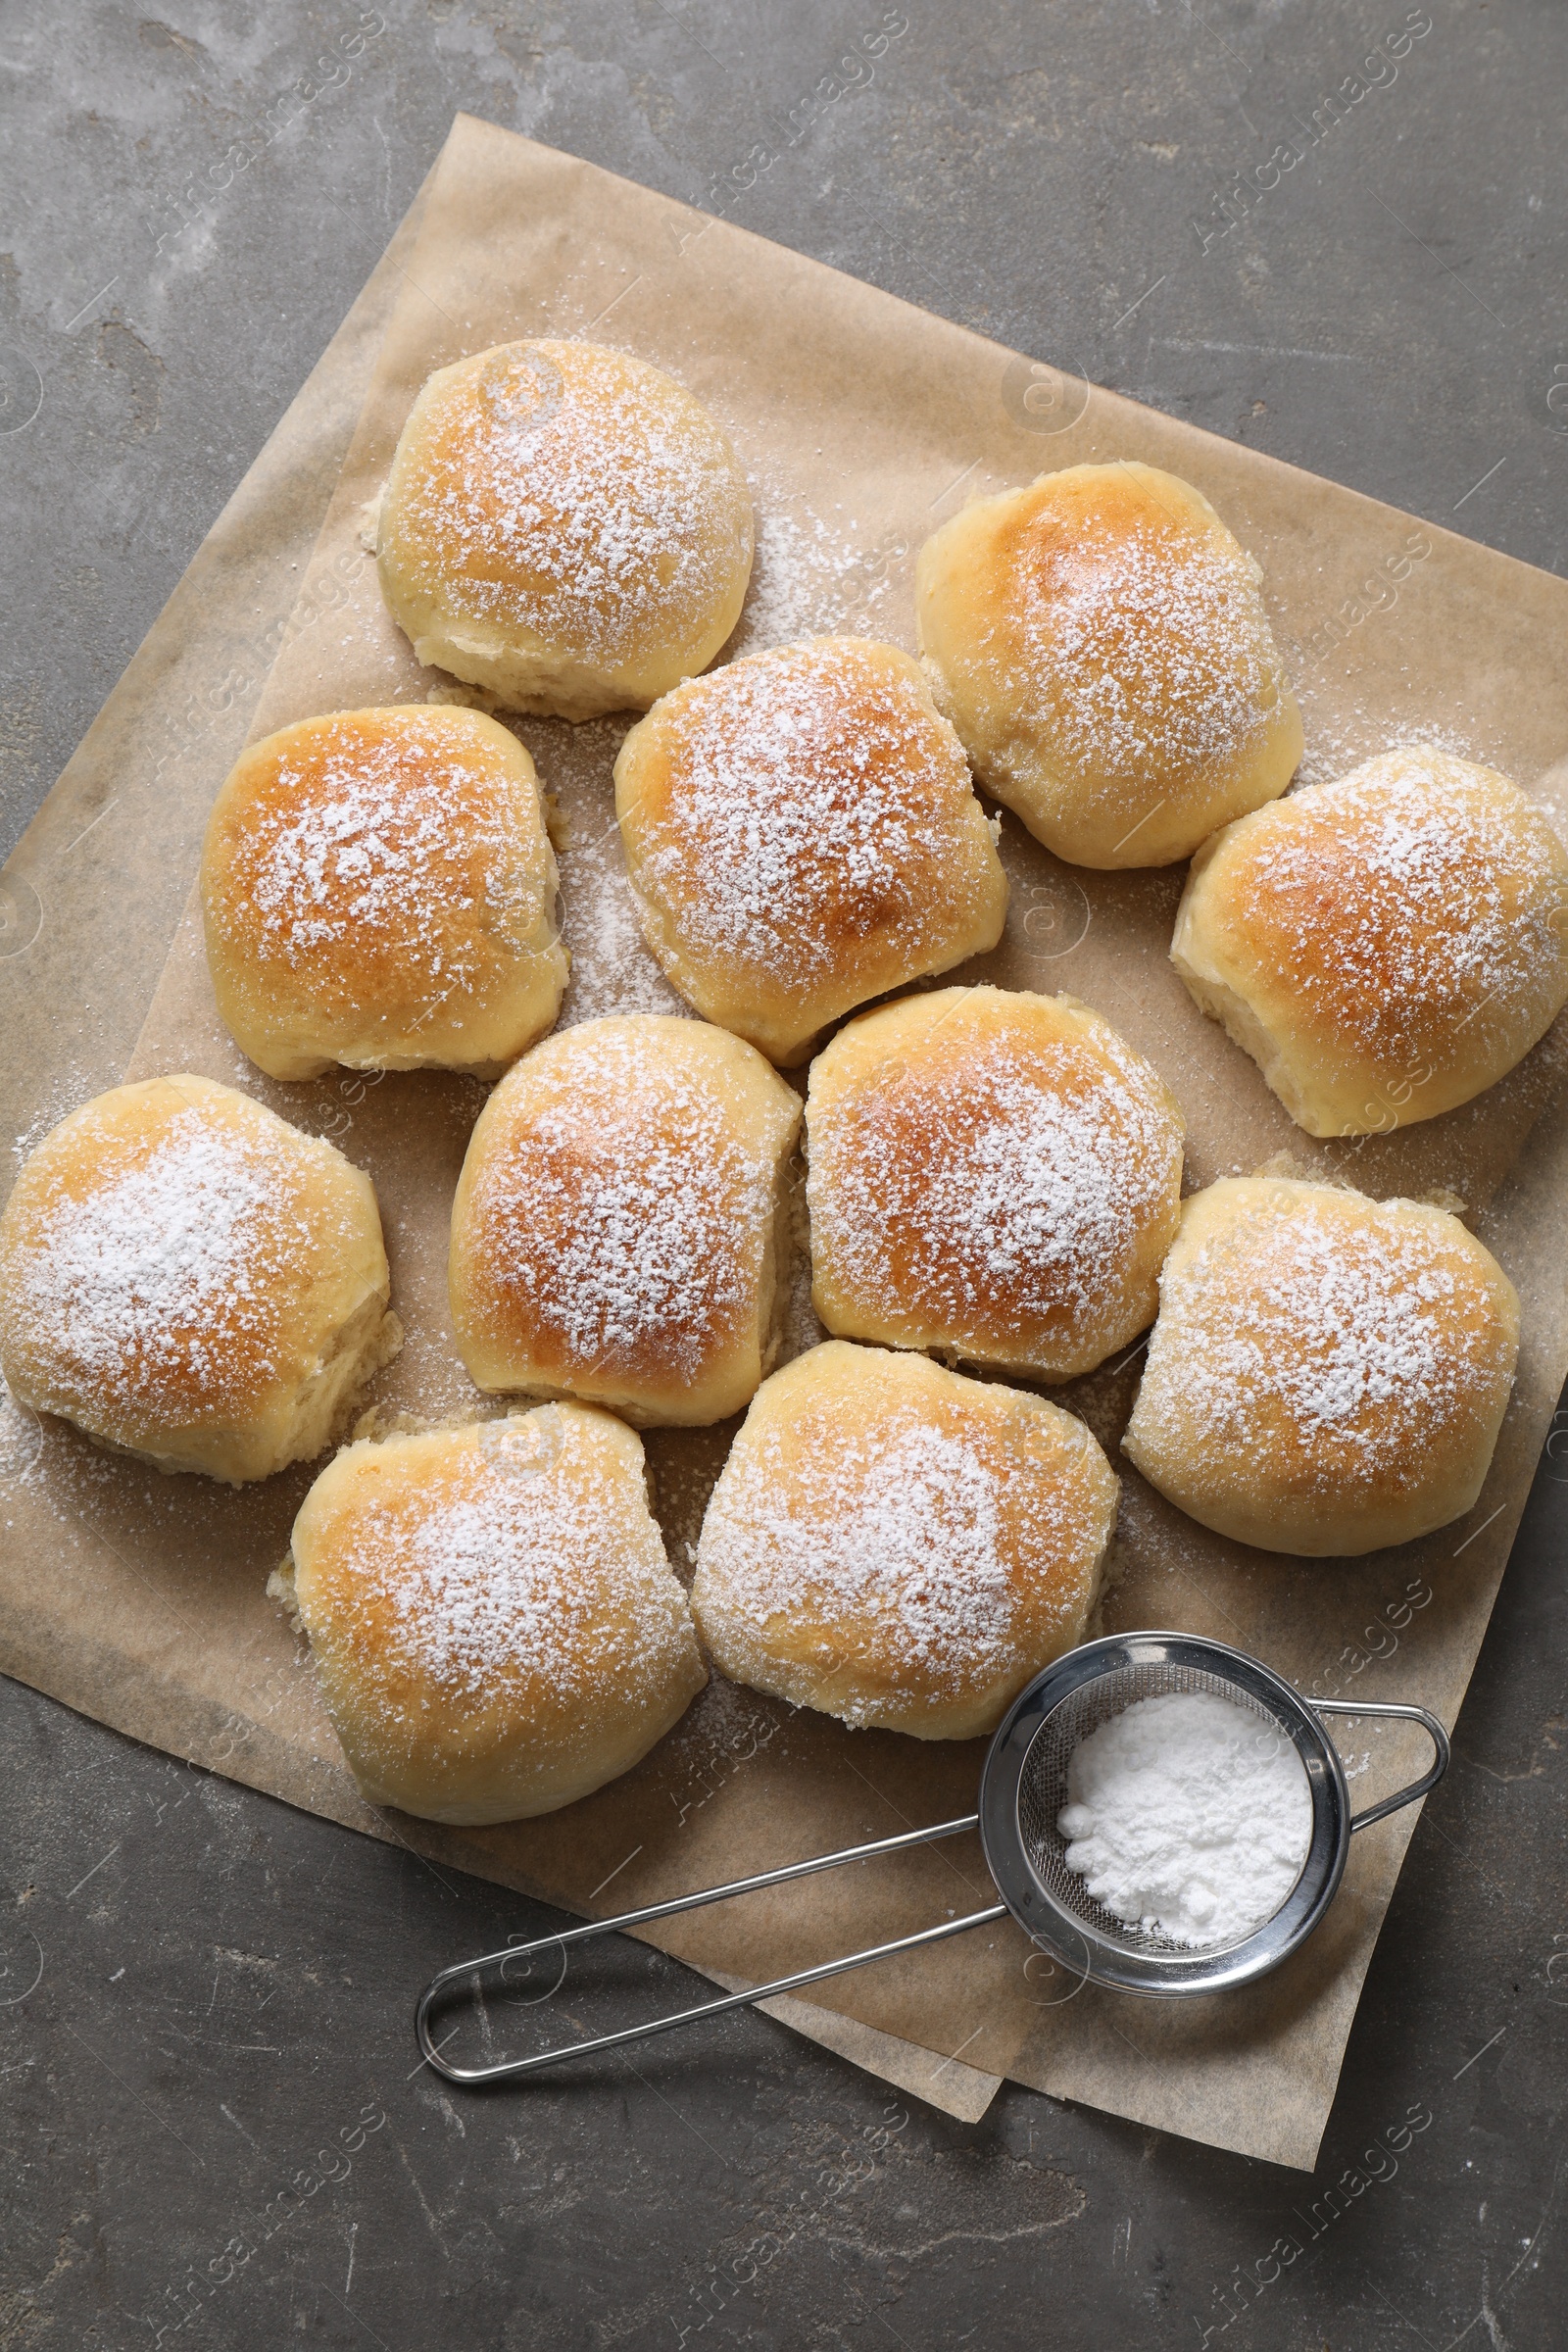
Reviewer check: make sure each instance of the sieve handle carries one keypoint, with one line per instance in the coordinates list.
(470, 1972)
(1429, 1724)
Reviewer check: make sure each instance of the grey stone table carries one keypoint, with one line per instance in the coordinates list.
(202, 1988)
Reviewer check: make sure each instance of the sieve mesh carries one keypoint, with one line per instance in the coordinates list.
(1042, 1785)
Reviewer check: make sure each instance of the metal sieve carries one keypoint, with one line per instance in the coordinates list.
(1023, 1787)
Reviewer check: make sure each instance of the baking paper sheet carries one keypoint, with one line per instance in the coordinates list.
(862, 424)
(87, 906)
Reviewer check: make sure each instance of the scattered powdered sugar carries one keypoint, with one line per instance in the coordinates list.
(69, 1089)
(905, 1536)
(811, 816)
(1189, 1817)
(1358, 1344)
(1145, 649)
(993, 1190)
(725, 1729)
(21, 1437)
(1405, 903)
(613, 970)
(581, 497)
(1346, 736)
(412, 846)
(807, 575)
(158, 1288)
(622, 1221)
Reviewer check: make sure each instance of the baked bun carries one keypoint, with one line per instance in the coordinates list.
(1385, 948)
(190, 1280)
(992, 1174)
(1101, 647)
(898, 1545)
(1328, 1373)
(493, 1622)
(802, 834)
(564, 526)
(379, 889)
(619, 1229)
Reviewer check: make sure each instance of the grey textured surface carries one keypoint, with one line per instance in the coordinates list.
(203, 1989)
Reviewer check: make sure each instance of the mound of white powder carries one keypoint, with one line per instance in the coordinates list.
(1189, 1817)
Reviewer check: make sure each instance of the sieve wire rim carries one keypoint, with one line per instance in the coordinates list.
(1053, 1906)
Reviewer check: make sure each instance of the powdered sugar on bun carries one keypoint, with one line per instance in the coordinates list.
(1145, 649)
(1385, 947)
(991, 1174)
(379, 889)
(898, 1545)
(1328, 1373)
(491, 1614)
(565, 525)
(616, 1228)
(1104, 651)
(186, 1277)
(802, 832)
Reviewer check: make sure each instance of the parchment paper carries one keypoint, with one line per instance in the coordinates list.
(87, 904)
(863, 423)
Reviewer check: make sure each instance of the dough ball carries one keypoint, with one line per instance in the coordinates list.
(1100, 644)
(378, 890)
(992, 1174)
(802, 834)
(898, 1545)
(619, 1231)
(493, 1621)
(565, 527)
(1385, 948)
(193, 1281)
(1328, 1373)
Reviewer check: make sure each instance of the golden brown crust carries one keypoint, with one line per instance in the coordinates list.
(802, 834)
(188, 1278)
(379, 889)
(992, 1174)
(1101, 647)
(1385, 947)
(1328, 1373)
(614, 1229)
(492, 1618)
(564, 526)
(898, 1545)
